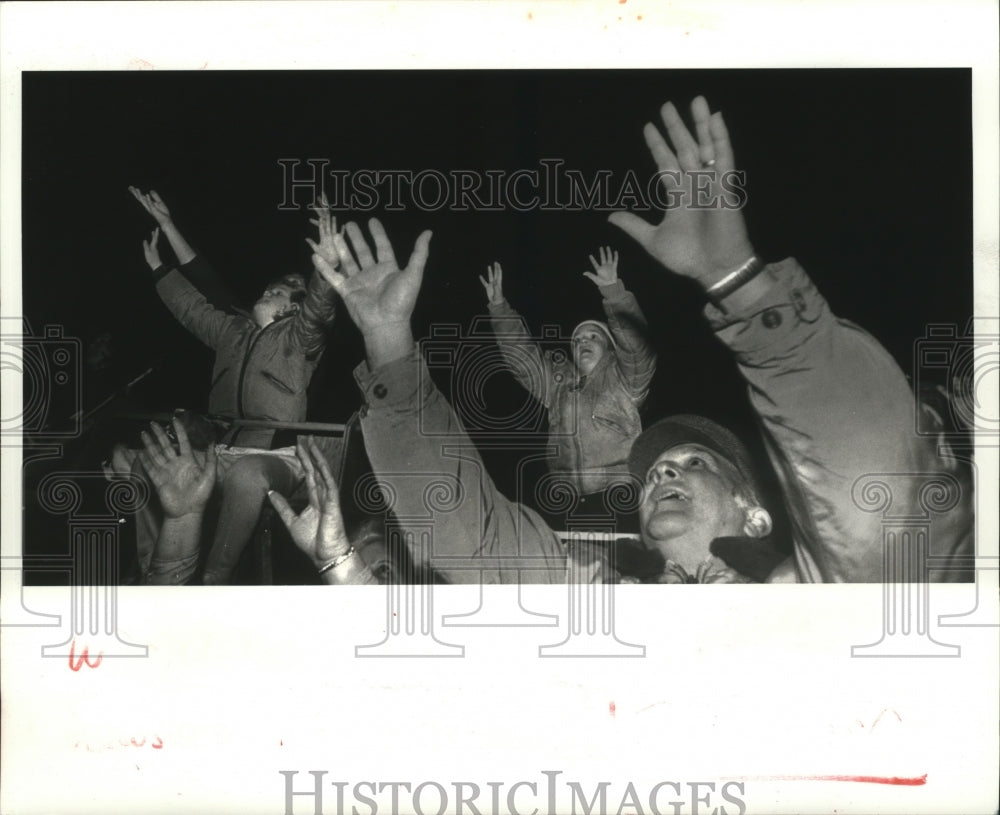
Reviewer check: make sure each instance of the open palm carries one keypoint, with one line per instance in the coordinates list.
(319, 529)
(326, 226)
(153, 204)
(700, 239)
(183, 478)
(493, 283)
(375, 290)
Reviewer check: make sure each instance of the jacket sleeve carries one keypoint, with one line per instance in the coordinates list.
(309, 325)
(191, 309)
(205, 279)
(521, 354)
(439, 488)
(835, 409)
(635, 357)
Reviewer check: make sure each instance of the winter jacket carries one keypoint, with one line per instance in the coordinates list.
(259, 373)
(836, 411)
(593, 419)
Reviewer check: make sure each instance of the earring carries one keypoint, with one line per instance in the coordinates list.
(758, 522)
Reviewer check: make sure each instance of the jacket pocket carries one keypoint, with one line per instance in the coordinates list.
(279, 384)
(611, 424)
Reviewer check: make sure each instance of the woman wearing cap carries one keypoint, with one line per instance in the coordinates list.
(593, 397)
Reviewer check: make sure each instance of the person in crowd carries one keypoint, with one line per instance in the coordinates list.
(833, 405)
(184, 479)
(263, 365)
(592, 397)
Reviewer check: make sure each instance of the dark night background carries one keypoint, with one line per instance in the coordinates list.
(864, 175)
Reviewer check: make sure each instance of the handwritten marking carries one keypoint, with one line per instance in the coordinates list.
(880, 715)
(156, 744)
(85, 657)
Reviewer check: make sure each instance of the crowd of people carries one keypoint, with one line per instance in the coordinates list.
(833, 408)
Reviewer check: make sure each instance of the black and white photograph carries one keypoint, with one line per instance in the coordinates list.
(560, 307)
(509, 351)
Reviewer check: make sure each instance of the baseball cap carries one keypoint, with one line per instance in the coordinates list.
(690, 429)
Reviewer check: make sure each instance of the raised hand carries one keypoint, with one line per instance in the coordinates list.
(153, 204)
(377, 293)
(493, 283)
(705, 244)
(184, 478)
(319, 529)
(326, 224)
(151, 250)
(606, 271)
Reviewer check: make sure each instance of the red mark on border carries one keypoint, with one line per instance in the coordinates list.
(892, 780)
(896, 781)
(85, 657)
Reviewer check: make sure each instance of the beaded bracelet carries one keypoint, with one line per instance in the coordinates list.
(337, 561)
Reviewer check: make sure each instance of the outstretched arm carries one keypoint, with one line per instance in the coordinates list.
(184, 479)
(418, 449)
(520, 353)
(192, 265)
(634, 356)
(193, 311)
(834, 405)
(310, 323)
(154, 205)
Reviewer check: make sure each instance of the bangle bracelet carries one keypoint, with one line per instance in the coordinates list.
(735, 279)
(337, 561)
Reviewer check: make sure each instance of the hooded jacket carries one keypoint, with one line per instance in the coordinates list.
(593, 419)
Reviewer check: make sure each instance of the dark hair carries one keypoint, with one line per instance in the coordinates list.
(295, 282)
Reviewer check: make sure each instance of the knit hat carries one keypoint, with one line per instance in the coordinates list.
(602, 327)
(690, 429)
